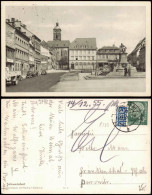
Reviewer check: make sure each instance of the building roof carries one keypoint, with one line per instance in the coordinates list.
(58, 44)
(109, 50)
(39, 40)
(83, 43)
(138, 45)
(44, 44)
(110, 47)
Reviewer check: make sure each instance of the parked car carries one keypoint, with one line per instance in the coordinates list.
(29, 74)
(12, 77)
(43, 72)
(35, 73)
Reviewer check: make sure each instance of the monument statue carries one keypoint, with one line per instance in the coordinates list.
(122, 48)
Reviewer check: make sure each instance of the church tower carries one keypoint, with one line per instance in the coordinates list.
(57, 33)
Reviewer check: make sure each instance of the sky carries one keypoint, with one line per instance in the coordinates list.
(108, 24)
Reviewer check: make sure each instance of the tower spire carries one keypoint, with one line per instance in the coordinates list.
(57, 32)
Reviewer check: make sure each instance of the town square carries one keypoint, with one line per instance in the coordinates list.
(86, 61)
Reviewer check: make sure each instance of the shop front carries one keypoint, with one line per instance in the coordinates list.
(10, 64)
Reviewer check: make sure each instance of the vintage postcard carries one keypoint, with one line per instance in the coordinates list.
(99, 146)
(87, 48)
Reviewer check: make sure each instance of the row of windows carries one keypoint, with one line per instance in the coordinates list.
(21, 52)
(80, 52)
(21, 42)
(10, 53)
(109, 50)
(83, 46)
(108, 56)
(83, 58)
(83, 63)
(36, 45)
(17, 66)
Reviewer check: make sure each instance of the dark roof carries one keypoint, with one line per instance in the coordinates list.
(83, 43)
(36, 38)
(110, 50)
(22, 34)
(58, 44)
(44, 44)
(110, 47)
(137, 46)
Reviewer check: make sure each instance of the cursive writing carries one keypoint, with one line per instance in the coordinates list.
(83, 139)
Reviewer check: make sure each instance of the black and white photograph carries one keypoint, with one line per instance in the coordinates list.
(71, 47)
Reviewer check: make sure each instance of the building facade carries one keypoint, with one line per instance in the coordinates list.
(82, 54)
(21, 52)
(21, 41)
(45, 57)
(137, 57)
(108, 57)
(59, 48)
(37, 52)
(31, 56)
(10, 47)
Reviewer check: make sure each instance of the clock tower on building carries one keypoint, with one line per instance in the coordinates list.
(57, 33)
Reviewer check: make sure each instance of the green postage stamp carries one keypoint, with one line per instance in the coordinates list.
(137, 112)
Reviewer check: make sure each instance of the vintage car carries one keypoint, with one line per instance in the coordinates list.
(43, 72)
(12, 77)
(29, 74)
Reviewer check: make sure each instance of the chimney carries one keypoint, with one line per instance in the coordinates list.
(7, 20)
(18, 28)
(12, 19)
(24, 26)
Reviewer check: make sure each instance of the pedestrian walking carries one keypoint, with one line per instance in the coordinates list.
(125, 71)
(129, 70)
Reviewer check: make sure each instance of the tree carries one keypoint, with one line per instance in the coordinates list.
(63, 61)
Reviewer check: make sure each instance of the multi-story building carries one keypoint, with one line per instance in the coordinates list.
(34, 49)
(45, 56)
(21, 47)
(10, 46)
(60, 48)
(31, 56)
(137, 57)
(108, 56)
(82, 54)
(36, 43)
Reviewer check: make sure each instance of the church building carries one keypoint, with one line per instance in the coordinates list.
(60, 48)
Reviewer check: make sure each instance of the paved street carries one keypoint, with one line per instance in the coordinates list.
(51, 83)
(36, 84)
(103, 85)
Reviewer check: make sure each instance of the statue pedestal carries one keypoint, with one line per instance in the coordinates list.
(123, 58)
(133, 69)
(117, 71)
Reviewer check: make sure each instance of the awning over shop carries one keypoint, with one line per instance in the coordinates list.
(10, 60)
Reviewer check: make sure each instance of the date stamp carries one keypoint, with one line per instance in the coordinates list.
(128, 116)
